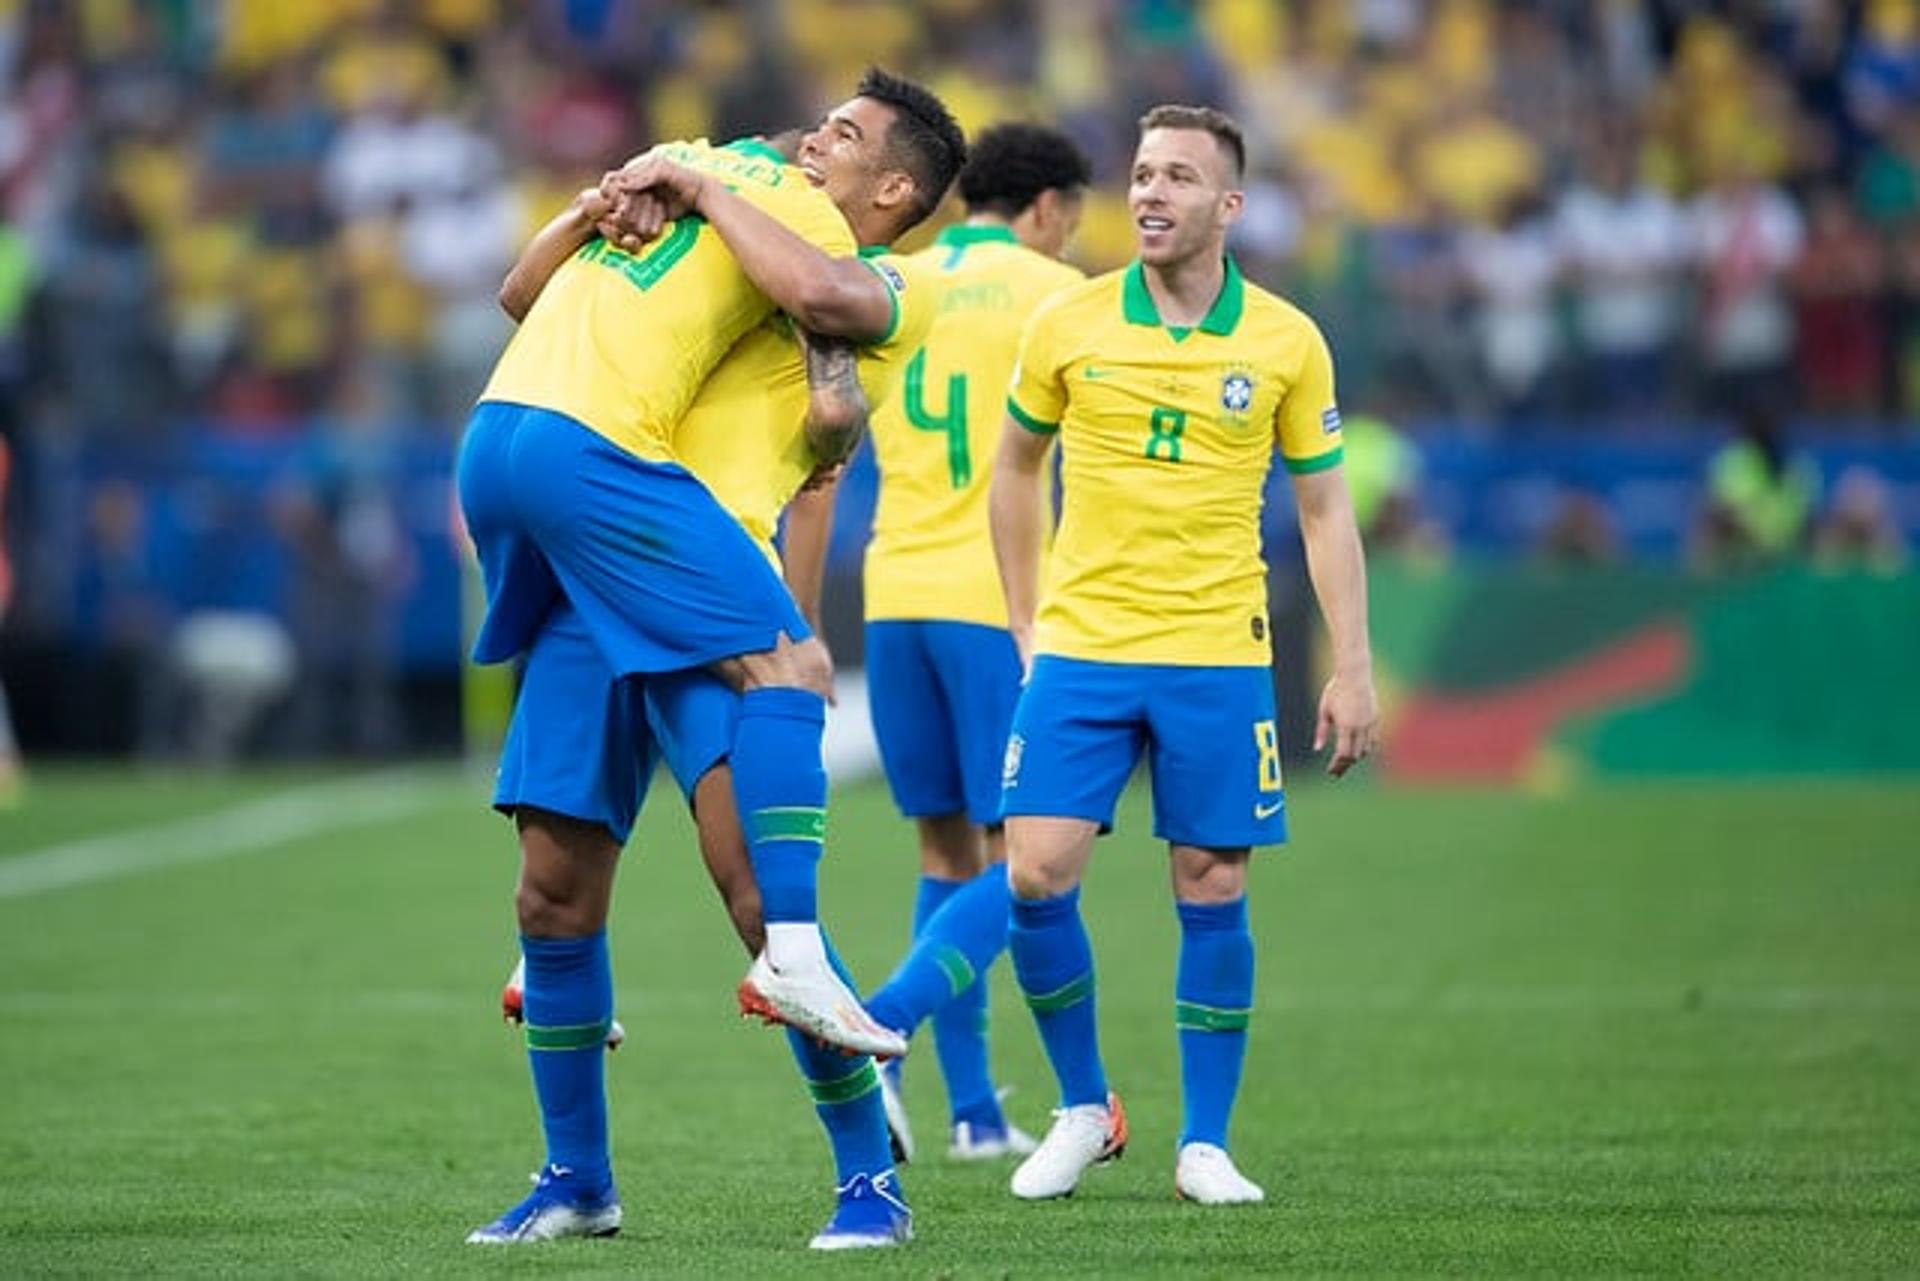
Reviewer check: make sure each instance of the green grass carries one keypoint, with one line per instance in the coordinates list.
(1652, 1028)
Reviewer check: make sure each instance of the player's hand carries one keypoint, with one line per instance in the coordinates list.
(677, 187)
(1023, 645)
(1349, 719)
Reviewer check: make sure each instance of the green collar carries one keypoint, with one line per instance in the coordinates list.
(874, 251)
(1136, 304)
(756, 147)
(960, 235)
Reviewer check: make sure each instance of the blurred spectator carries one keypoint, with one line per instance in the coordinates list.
(1512, 269)
(1625, 244)
(1858, 531)
(1383, 475)
(1758, 499)
(105, 313)
(1579, 533)
(352, 564)
(1839, 286)
(1749, 236)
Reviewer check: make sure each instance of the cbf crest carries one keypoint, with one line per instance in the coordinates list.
(1236, 397)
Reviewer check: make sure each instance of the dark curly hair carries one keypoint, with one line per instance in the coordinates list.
(1011, 164)
(924, 139)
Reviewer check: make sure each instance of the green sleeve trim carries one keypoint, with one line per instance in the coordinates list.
(1319, 462)
(581, 1036)
(1192, 1017)
(1028, 421)
(893, 297)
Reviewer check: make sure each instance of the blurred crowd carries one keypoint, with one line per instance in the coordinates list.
(263, 222)
(1518, 211)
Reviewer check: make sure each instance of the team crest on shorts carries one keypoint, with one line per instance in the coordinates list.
(1010, 770)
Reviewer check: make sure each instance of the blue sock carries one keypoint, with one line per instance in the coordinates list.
(781, 788)
(1213, 997)
(1054, 963)
(569, 1004)
(943, 978)
(846, 1098)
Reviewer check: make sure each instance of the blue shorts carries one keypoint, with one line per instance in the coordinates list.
(942, 696)
(662, 576)
(1213, 750)
(692, 716)
(578, 742)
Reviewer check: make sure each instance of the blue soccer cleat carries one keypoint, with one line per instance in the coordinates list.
(555, 1208)
(871, 1215)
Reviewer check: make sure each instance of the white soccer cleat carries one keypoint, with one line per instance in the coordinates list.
(513, 1004)
(813, 1000)
(1081, 1136)
(1206, 1175)
(971, 1142)
(899, 1132)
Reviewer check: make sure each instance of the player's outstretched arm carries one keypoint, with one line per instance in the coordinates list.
(591, 213)
(1016, 512)
(840, 297)
(1349, 715)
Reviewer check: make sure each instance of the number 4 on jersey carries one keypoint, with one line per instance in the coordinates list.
(953, 421)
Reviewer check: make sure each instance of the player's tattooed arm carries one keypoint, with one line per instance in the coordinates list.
(836, 407)
(837, 296)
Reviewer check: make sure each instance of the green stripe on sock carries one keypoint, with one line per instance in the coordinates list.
(955, 965)
(848, 1088)
(1207, 1018)
(579, 1037)
(1060, 998)
(788, 823)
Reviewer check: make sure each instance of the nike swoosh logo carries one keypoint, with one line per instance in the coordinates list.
(1266, 811)
(1095, 374)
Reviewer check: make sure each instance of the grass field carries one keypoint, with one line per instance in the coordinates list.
(249, 1028)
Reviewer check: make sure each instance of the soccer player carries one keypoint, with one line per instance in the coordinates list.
(589, 527)
(1169, 384)
(941, 667)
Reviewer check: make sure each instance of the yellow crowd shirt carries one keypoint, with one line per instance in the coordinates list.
(622, 342)
(1166, 437)
(932, 555)
(745, 436)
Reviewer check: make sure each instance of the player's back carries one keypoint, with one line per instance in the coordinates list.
(623, 341)
(931, 554)
(1167, 435)
(745, 434)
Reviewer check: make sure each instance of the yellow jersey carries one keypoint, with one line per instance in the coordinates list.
(1166, 438)
(745, 436)
(622, 342)
(932, 555)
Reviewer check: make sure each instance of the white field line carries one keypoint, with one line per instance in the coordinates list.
(250, 828)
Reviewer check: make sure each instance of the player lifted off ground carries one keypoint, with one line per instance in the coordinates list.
(1170, 385)
(942, 671)
(584, 518)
